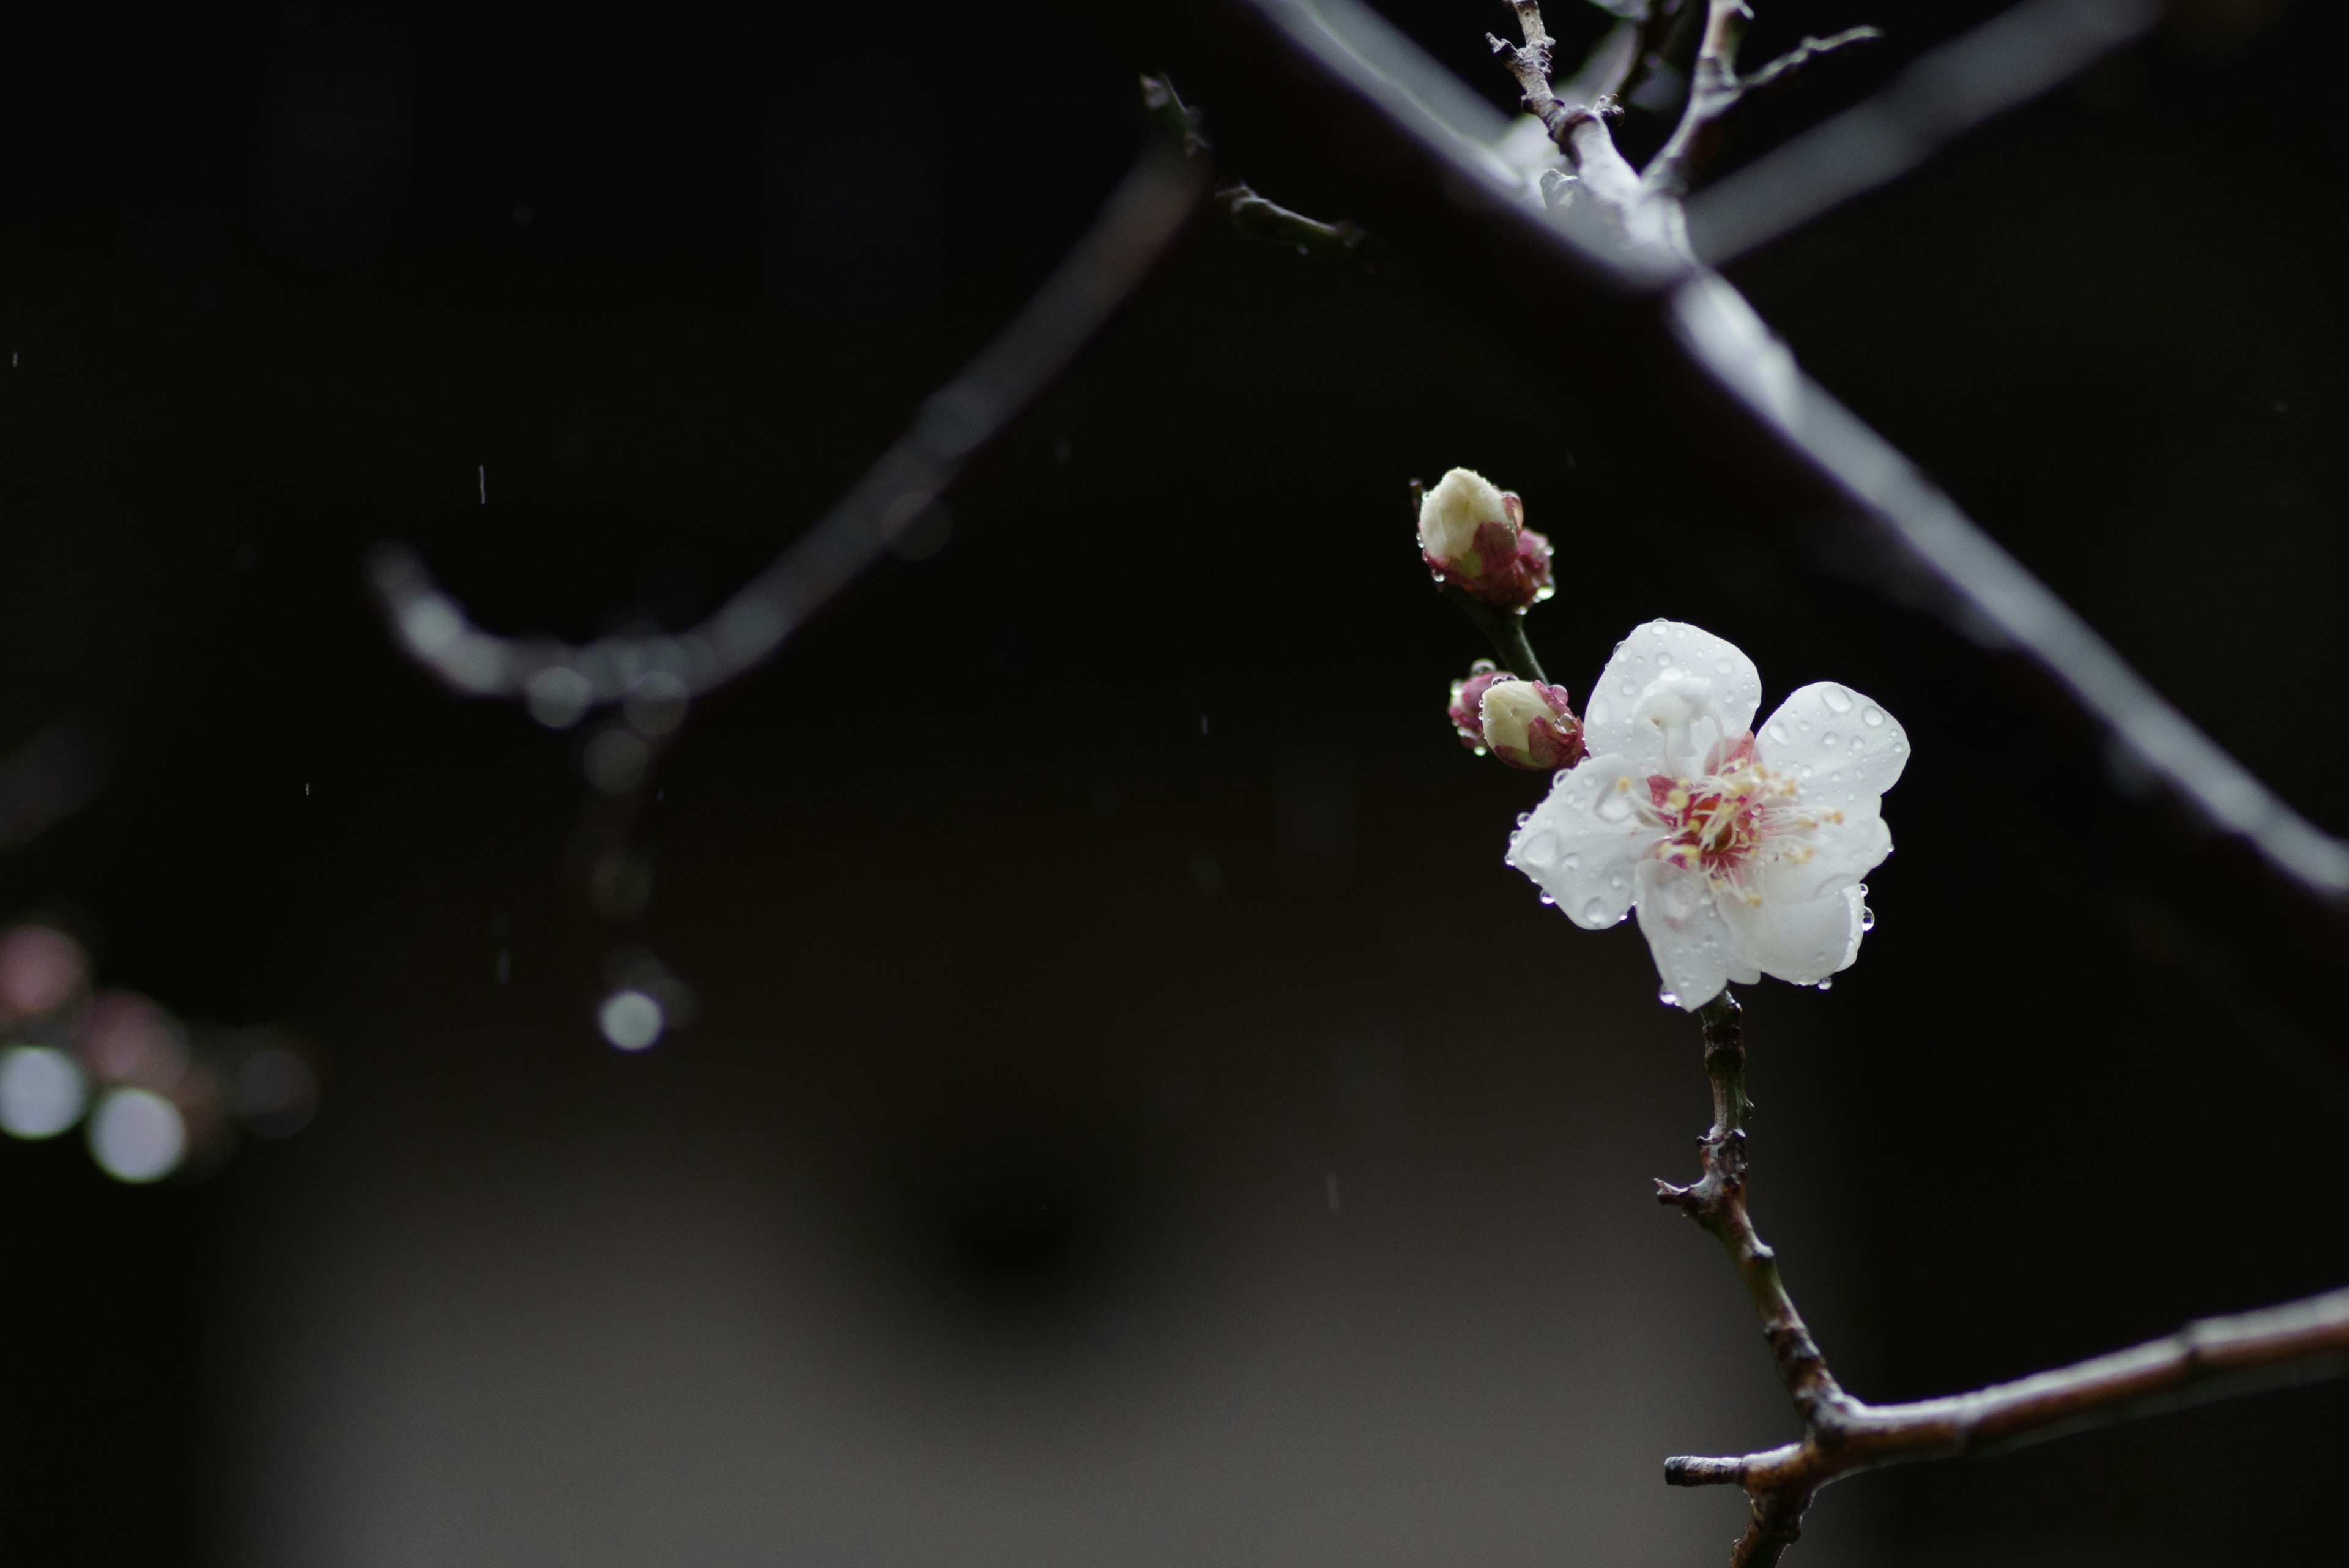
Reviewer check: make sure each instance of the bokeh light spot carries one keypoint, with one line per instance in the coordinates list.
(631, 1020)
(42, 1091)
(136, 1136)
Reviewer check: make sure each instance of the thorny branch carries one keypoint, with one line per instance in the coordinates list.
(2299, 1340)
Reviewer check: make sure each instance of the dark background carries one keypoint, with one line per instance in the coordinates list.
(1131, 1114)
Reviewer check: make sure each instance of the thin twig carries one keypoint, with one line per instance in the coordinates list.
(1266, 220)
(1578, 128)
(2297, 1342)
(1715, 89)
(1802, 54)
(1172, 115)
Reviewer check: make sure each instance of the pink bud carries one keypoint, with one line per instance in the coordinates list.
(1472, 533)
(1528, 724)
(1467, 709)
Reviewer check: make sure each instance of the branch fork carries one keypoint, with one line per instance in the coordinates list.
(2300, 1341)
(1645, 206)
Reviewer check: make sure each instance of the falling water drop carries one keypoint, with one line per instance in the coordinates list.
(1826, 985)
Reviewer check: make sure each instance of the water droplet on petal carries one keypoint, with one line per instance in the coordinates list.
(1594, 913)
(1547, 900)
(1874, 716)
(1668, 997)
(1826, 985)
(1867, 919)
(1571, 862)
(1838, 700)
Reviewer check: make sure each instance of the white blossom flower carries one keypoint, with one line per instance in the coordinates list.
(1742, 851)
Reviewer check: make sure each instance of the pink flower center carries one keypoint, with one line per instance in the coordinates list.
(1713, 824)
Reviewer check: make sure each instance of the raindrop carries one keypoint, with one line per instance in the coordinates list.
(1838, 700)
(1663, 660)
(1669, 997)
(1874, 716)
(1867, 919)
(1826, 985)
(1570, 861)
(1594, 913)
(1614, 808)
(1547, 900)
(1724, 666)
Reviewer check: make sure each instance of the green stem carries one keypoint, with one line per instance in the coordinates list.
(1505, 629)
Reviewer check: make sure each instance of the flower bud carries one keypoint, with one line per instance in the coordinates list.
(1528, 725)
(1467, 709)
(1472, 533)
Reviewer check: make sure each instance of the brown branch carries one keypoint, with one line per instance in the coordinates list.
(1718, 1203)
(2300, 1341)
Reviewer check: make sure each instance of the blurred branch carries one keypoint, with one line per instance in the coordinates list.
(2006, 61)
(565, 680)
(2301, 1341)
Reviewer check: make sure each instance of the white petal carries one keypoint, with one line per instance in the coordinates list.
(1843, 750)
(1693, 948)
(1710, 691)
(1827, 858)
(1580, 844)
(1803, 940)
